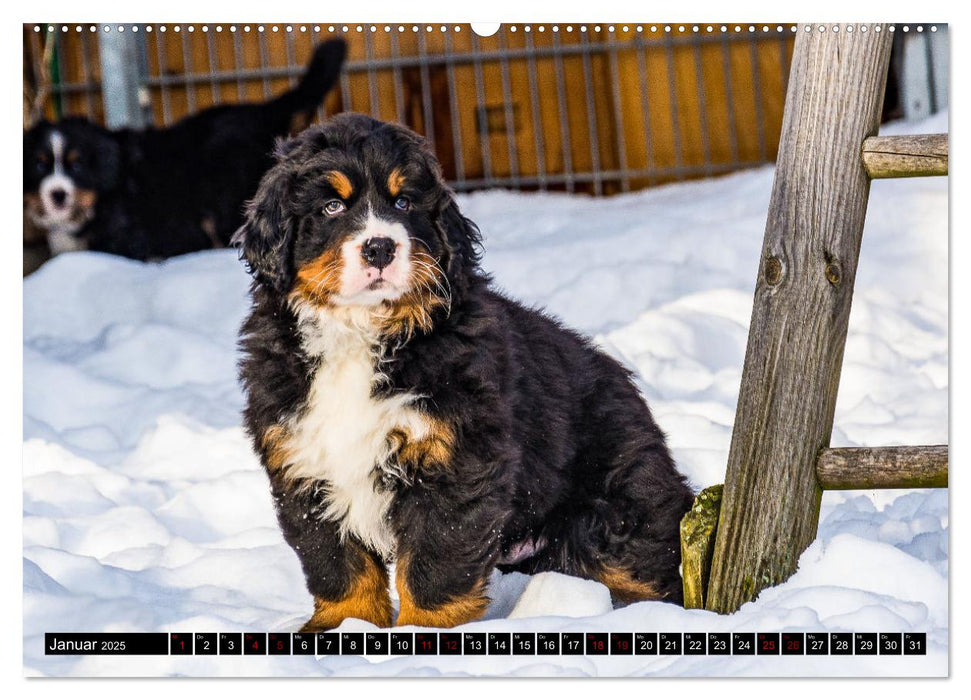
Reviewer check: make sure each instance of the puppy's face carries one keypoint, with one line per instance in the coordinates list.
(65, 168)
(355, 213)
(365, 230)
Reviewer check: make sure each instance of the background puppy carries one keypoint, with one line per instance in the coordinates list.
(406, 411)
(162, 192)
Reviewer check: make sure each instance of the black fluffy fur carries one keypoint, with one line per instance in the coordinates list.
(164, 192)
(555, 444)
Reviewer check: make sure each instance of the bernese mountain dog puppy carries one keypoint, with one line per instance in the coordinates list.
(154, 193)
(407, 412)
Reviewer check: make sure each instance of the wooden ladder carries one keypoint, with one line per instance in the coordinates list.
(748, 536)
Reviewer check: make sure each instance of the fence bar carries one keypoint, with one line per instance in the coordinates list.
(213, 65)
(673, 95)
(681, 172)
(732, 125)
(428, 114)
(800, 313)
(322, 107)
(264, 61)
(75, 88)
(702, 107)
(592, 134)
(641, 49)
(87, 75)
(237, 62)
(619, 122)
(508, 115)
(347, 103)
(534, 107)
(562, 112)
(292, 59)
(784, 58)
(162, 67)
(882, 468)
(374, 103)
(453, 94)
(558, 50)
(399, 98)
(757, 92)
(482, 116)
(190, 76)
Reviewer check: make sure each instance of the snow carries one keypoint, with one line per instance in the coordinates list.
(145, 509)
(550, 594)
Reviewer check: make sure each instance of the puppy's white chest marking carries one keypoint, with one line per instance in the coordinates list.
(340, 438)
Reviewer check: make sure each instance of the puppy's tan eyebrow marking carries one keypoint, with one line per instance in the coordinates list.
(340, 182)
(395, 181)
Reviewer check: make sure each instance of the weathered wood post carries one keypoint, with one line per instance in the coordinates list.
(770, 508)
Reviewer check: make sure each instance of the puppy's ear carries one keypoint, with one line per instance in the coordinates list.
(461, 237)
(266, 237)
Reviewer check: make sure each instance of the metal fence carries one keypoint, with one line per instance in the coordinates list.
(591, 108)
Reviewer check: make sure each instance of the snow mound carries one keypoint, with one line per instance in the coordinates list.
(550, 594)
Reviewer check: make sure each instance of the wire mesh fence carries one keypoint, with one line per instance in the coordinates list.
(590, 108)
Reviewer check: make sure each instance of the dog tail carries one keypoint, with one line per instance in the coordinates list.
(321, 75)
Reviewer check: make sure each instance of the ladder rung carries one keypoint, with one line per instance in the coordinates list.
(882, 467)
(905, 156)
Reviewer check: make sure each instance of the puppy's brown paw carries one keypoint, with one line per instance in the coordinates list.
(314, 625)
(368, 600)
(328, 614)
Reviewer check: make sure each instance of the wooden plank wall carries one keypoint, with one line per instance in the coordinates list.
(742, 84)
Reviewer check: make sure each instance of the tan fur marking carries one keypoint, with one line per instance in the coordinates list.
(368, 599)
(85, 199)
(428, 291)
(208, 225)
(274, 444)
(340, 182)
(458, 611)
(432, 450)
(33, 208)
(319, 279)
(395, 181)
(624, 588)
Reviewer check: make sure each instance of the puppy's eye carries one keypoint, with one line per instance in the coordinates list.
(334, 207)
(41, 165)
(402, 204)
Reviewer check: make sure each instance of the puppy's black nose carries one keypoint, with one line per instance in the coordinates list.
(59, 197)
(378, 252)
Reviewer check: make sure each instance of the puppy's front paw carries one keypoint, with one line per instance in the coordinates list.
(312, 626)
(328, 614)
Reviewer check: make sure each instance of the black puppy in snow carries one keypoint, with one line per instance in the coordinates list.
(155, 193)
(405, 411)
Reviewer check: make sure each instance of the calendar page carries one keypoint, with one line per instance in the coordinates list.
(518, 349)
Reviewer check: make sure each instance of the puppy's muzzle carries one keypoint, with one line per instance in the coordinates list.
(378, 252)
